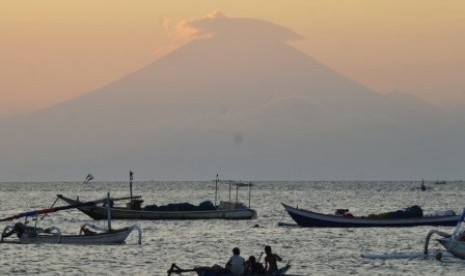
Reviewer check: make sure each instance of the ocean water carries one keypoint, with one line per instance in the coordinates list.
(392, 251)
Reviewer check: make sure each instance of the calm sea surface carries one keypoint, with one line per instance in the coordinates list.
(208, 242)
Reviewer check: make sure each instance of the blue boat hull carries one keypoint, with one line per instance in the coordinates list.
(307, 218)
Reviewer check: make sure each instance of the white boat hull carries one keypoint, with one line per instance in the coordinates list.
(104, 238)
(456, 248)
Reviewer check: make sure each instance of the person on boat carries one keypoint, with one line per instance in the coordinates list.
(236, 264)
(271, 260)
(19, 229)
(254, 268)
(86, 231)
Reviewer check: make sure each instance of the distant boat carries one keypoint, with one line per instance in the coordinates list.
(440, 182)
(307, 218)
(207, 210)
(422, 187)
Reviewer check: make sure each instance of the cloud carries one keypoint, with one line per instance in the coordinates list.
(217, 23)
(181, 33)
(177, 35)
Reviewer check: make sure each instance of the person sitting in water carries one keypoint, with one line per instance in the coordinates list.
(271, 260)
(254, 268)
(236, 264)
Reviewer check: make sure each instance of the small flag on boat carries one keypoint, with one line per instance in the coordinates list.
(89, 177)
(131, 175)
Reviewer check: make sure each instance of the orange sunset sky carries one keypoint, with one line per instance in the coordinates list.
(55, 50)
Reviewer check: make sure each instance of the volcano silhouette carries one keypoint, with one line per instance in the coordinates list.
(242, 103)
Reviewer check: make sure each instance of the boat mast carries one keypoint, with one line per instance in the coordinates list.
(131, 177)
(229, 190)
(108, 212)
(216, 189)
(250, 192)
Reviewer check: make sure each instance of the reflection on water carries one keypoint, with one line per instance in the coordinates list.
(191, 243)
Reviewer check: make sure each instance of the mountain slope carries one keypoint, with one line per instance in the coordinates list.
(242, 105)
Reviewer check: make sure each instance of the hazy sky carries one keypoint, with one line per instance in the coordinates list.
(54, 50)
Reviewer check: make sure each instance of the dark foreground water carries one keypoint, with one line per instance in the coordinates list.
(191, 243)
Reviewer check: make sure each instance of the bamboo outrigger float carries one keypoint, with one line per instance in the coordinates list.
(88, 233)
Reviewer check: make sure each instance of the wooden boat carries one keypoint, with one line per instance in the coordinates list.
(88, 233)
(307, 218)
(223, 211)
(134, 211)
(27, 235)
(453, 243)
(213, 271)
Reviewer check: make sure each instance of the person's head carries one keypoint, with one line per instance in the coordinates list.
(252, 259)
(267, 249)
(236, 251)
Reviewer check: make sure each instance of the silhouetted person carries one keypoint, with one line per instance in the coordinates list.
(254, 268)
(271, 260)
(236, 264)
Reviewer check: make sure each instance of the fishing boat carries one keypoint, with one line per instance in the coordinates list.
(343, 218)
(440, 182)
(422, 187)
(88, 233)
(453, 243)
(217, 271)
(233, 210)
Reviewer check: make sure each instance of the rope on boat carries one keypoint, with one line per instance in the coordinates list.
(428, 237)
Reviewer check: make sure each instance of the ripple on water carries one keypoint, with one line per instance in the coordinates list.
(191, 243)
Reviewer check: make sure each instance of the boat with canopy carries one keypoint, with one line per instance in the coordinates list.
(233, 210)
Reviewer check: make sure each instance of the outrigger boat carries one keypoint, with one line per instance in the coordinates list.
(134, 211)
(308, 218)
(213, 271)
(88, 233)
(453, 243)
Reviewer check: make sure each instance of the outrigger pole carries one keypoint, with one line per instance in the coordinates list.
(48, 210)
